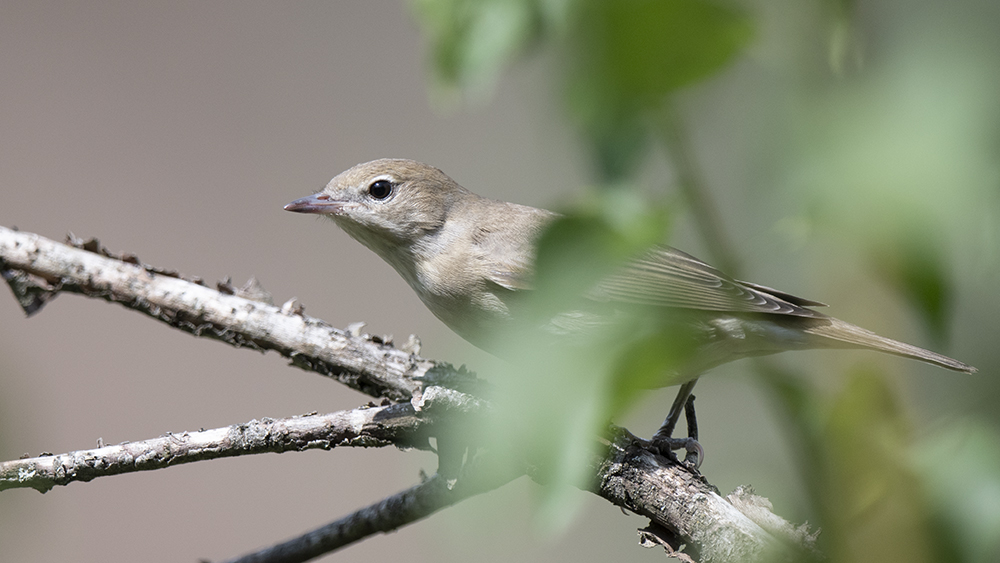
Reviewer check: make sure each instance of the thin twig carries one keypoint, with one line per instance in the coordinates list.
(418, 502)
(689, 180)
(365, 427)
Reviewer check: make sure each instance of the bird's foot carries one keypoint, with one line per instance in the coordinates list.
(664, 442)
(666, 446)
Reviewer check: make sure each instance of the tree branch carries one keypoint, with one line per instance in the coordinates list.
(416, 503)
(385, 425)
(37, 269)
(671, 496)
(625, 472)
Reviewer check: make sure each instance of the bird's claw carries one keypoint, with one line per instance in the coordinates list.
(663, 441)
(666, 446)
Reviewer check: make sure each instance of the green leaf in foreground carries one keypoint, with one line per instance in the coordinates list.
(628, 56)
(471, 41)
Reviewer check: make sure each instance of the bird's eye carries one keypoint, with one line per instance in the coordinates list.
(380, 189)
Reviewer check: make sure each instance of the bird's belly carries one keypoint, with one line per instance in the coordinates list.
(477, 320)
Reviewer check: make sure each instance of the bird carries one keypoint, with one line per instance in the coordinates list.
(470, 260)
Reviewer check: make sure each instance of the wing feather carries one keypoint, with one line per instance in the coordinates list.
(667, 277)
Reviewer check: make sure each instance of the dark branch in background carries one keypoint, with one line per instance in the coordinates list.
(671, 133)
(625, 473)
(394, 512)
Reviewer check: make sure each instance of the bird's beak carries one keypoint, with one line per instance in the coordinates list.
(320, 203)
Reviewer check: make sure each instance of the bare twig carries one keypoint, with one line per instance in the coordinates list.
(387, 425)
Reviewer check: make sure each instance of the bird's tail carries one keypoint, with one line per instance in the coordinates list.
(852, 336)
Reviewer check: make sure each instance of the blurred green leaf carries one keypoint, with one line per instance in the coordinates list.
(633, 53)
(844, 46)
(630, 55)
(563, 387)
(471, 41)
(912, 261)
(647, 362)
(592, 240)
(875, 508)
(574, 252)
(625, 57)
(960, 466)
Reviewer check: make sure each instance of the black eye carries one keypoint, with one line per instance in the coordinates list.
(380, 189)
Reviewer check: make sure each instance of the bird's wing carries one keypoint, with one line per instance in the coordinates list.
(514, 275)
(667, 277)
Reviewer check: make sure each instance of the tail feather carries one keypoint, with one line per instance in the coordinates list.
(854, 336)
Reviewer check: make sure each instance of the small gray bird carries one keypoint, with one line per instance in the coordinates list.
(468, 258)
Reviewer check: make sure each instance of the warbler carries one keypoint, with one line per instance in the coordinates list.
(469, 258)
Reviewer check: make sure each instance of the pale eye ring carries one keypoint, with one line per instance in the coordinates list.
(380, 189)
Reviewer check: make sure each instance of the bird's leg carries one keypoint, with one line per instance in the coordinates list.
(663, 439)
(695, 453)
(667, 428)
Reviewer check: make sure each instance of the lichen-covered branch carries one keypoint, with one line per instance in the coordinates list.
(693, 511)
(386, 425)
(37, 269)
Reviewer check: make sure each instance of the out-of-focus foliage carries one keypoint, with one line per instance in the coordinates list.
(911, 258)
(898, 160)
(874, 506)
(627, 57)
(559, 385)
(959, 467)
(867, 483)
(598, 233)
(623, 58)
(844, 47)
(473, 40)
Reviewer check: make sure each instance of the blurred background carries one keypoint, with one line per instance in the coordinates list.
(851, 150)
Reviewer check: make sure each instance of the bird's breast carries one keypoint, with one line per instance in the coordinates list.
(461, 298)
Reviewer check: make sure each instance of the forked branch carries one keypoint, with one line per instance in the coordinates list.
(427, 393)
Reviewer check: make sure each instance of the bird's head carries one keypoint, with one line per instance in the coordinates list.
(386, 204)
